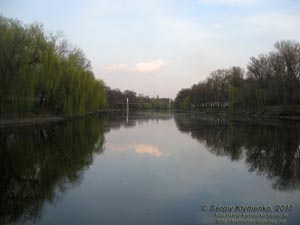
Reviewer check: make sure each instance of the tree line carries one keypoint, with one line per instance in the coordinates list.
(117, 100)
(270, 79)
(44, 73)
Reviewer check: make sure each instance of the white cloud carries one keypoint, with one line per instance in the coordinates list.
(142, 67)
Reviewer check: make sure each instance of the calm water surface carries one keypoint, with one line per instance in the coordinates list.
(146, 169)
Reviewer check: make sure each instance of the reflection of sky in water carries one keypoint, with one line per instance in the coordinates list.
(127, 185)
(148, 149)
(139, 148)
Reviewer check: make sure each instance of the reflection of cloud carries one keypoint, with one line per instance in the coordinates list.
(139, 148)
(142, 67)
(148, 149)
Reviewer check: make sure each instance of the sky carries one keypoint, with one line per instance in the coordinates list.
(157, 47)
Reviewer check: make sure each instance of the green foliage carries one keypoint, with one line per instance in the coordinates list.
(186, 103)
(43, 73)
(235, 97)
(272, 79)
(215, 91)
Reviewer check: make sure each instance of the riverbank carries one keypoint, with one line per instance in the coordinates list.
(266, 112)
(43, 119)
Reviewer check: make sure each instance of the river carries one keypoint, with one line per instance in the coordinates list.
(150, 168)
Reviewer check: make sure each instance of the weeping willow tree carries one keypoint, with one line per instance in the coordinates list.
(43, 73)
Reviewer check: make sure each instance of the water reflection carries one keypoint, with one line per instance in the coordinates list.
(118, 120)
(148, 149)
(138, 148)
(133, 182)
(270, 149)
(38, 163)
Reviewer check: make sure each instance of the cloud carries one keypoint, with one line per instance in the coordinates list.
(142, 67)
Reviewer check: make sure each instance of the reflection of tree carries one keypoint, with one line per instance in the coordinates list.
(118, 120)
(37, 163)
(271, 150)
(213, 132)
(276, 155)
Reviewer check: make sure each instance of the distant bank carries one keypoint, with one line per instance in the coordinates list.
(281, 112)
(265, 113)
